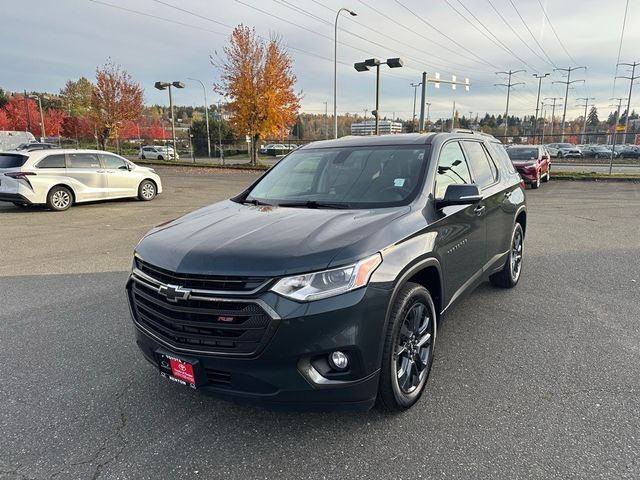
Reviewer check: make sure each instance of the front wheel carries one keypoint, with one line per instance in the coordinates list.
(147, 190)
(142, 157)
(536, 183)
(509, 276)
(408, 348)
(547, 176)
(160, 157)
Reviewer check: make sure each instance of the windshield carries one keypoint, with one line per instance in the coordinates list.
(523, 153)
(355, 177)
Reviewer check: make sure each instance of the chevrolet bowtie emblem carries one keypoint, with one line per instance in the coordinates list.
(174, 292)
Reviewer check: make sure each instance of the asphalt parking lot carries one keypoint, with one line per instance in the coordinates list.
(538, 382)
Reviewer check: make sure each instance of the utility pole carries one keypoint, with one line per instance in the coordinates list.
(615, 129)
(566, 92)
(631, 79)
(453, 116)
(508, 85)
(428, 104)
(553, 112)
(535, 120)
(584, 123)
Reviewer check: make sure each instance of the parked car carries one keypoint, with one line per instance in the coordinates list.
(596, 151)
(321, 284)
(532, 162)
(158, 152)
(274, 149)
(30, 147)
(629, 151)
(564, 150)
(60, 178)
(9, 139)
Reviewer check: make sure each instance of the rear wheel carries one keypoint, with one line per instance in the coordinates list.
(147, 190)
(408, 349)
(509, 276)
(160, 157)
(59, 199)
(143, 157)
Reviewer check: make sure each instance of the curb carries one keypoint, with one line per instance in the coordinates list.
(566, 176)
(233, 166)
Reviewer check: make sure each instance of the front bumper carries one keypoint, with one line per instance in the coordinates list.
(528, 175)
(290, 369)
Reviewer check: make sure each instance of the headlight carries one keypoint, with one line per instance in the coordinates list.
(314, 286)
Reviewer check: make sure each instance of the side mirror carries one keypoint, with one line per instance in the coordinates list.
(464, 194)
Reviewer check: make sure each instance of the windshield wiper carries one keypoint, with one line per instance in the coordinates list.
(314, 204)
(256, 202)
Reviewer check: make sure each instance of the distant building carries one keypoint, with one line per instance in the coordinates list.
(368, 127)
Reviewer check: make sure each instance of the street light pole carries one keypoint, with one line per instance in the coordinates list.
(335, 69)
(164, 86)
(535, 120)
(365, 67)
(206, 114)
(220, 132)
(415, 93)
(42, 131)
(553, 112)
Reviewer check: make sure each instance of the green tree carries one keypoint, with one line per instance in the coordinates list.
(3, 98)
(76, 96)
(592, 118)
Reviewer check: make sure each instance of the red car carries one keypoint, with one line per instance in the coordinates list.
(532, 162)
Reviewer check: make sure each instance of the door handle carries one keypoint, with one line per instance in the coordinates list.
(479, 210)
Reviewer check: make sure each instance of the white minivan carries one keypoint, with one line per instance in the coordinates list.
(59, 178)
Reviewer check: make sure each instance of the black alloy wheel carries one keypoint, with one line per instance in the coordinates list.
(409, 348)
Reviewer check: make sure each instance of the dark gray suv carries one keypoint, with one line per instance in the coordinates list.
(323, 283)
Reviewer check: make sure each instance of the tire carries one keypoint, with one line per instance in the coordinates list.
(409, 345)
(560, 155)
(510, 274)
(142, 157)
(160, 157)
(547, 176)
(59, 198)
(536, 184)
(147, 190)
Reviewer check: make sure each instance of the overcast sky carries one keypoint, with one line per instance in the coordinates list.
(43, 43)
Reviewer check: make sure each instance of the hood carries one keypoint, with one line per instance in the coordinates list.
(228, 238)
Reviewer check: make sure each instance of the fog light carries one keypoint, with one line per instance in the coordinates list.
(338, 361)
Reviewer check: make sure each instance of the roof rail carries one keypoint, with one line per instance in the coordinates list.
(472, 132)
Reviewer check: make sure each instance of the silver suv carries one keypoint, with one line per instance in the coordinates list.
(157, 152)
(60, 178)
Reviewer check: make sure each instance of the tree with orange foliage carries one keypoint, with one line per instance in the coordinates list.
(115, 99)
(257, 81)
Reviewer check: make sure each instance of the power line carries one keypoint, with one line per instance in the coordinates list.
(555, 33)
(624, 22)
(531, 33)
(482, 60)
(491, 37)
(504, 20)
(302, 11)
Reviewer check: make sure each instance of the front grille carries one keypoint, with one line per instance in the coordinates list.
(228, 327)
(219, 283)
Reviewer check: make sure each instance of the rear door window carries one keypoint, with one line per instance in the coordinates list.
(52, 161)
(11, 160)
(484, 171)
(84, 160)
